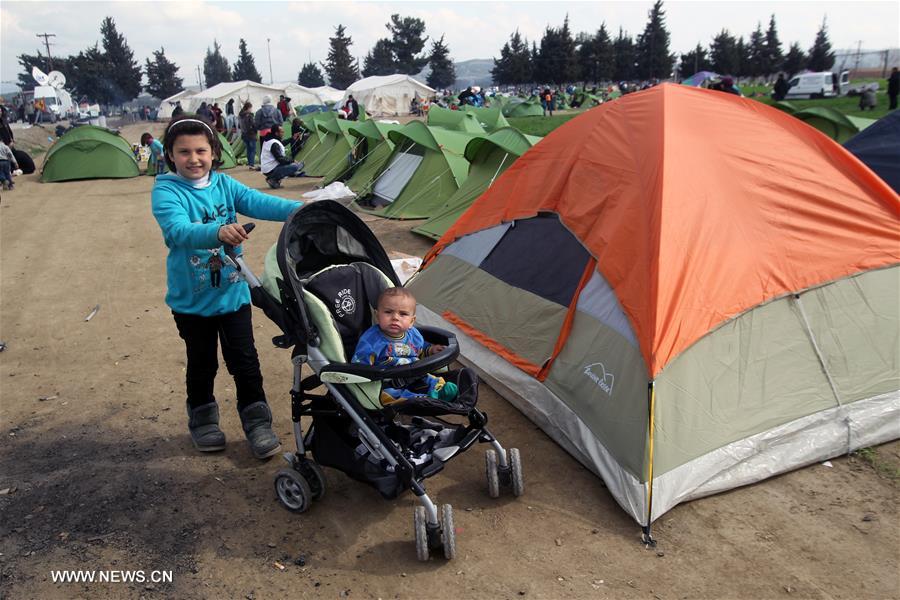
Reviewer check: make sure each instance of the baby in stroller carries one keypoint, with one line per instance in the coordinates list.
(321, 287)
(395, 341)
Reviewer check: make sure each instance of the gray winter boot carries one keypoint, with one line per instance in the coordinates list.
(257, 421)
(203, 423)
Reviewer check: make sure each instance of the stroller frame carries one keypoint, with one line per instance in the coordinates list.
(305, 482)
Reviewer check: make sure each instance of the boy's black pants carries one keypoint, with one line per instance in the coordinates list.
(201, 336)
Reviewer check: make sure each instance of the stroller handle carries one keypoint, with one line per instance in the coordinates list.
(229, 249)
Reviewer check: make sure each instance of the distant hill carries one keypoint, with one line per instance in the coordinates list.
(468, 72)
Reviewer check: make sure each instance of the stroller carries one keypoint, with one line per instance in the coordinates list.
(329, 270)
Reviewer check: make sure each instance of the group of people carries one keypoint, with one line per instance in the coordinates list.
(8, 162)
(197, 211)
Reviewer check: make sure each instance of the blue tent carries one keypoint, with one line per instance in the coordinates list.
(878, 146)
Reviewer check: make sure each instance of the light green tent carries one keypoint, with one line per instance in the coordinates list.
(455, 120)
(372, 152)
(527, 108)
(488, 158)
(89, 152)
(427, 166)
(313, 145)
(491, 119)
(833, 123)
(239, 149)
(228, 160)
(334, 156)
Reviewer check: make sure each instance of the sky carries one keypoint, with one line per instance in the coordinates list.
(298, 31)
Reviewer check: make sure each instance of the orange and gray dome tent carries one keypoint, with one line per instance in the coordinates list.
(688, 290)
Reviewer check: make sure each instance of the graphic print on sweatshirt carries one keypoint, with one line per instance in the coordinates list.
(208, 268)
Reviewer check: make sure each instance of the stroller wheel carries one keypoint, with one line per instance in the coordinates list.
(448, 533)
(515, 465)
(293, 491)
(493, 476)
(314, 476)
(419, 520)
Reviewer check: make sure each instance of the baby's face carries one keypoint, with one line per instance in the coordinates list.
(395, 315)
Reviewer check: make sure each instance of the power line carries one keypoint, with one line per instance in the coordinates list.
(47, 37)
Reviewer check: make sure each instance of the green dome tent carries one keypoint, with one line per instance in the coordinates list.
(376, 147)
(833, 123)
(89, 152)
(313, 144)
(455, 120)
(491, 119)
(526, 108)
(427, 166)
(488, 158)
(331, 159)
(228, 159)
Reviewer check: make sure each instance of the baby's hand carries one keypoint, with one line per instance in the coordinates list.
(434, 349)
(233, 234)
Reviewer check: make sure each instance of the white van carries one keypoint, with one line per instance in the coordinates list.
(58, 102)
(824, 84)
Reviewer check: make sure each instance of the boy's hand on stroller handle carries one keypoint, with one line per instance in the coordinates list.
(233, 234)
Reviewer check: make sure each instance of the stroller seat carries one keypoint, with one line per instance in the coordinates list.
(341, 300)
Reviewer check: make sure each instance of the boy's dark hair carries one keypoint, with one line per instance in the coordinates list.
(145, 139)
(190, 124)
(399, 292)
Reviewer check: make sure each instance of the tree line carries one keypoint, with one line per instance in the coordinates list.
(108, 72)
(562, 57)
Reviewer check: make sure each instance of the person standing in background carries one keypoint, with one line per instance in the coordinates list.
(893, 88)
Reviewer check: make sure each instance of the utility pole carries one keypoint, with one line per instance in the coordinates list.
(199, 79)
(269, 48)
(856, 66)
(47, 37)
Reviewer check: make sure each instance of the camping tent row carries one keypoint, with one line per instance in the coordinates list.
(681, 337)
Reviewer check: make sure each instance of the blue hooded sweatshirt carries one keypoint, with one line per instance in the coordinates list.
(199, 281)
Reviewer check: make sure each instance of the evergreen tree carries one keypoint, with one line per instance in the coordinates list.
(557, 60)
(758, 54)
(723, 54)
(794, 60)
(162, 76)
(773, 47)
(821, 58)
(586, 56)
(380, 61)
(406, 42)
(625, 55)
(514, 66)
(606, 54)
(742, 52)
(652, 49)
(443, 73)
(90, 76)
(341, 68)
(124, 71)
(694, 61)
(215, 66)
(245, 65)
(311, 76)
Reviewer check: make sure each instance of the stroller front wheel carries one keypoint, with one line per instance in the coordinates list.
(421, 531)
(515, 465)
(492, 472)
(448, 533)
(314, 476)
(293, 491)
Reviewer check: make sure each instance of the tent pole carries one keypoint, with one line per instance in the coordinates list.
(646, 537)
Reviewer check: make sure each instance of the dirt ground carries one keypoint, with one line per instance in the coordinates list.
(97, 471)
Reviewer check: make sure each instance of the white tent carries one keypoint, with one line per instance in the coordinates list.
(168, 105)
(301, 96)
(241, 91)
(328, 93)
(387, 94)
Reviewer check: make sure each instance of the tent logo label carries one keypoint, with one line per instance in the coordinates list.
(344, 304)
(596, 372)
